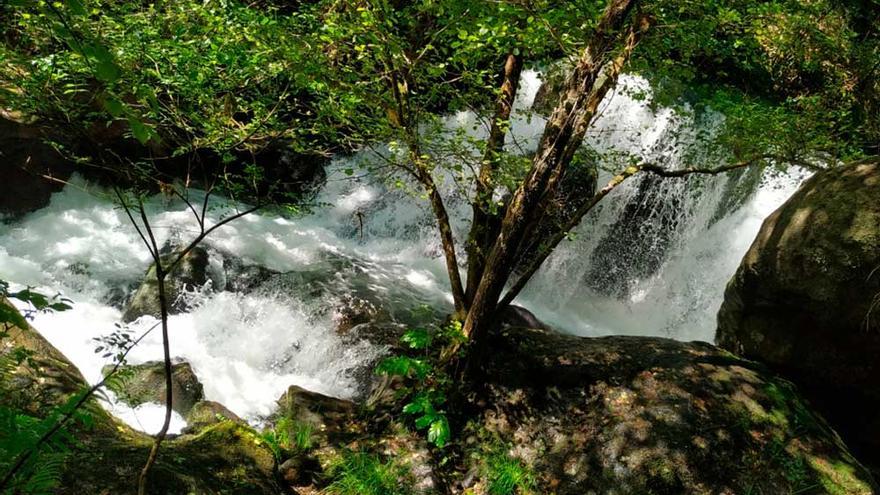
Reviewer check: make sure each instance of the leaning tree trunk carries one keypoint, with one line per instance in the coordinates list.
(562, 136)
(484, 227)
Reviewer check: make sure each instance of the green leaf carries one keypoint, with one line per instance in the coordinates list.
(417, 338)
(114, 106)
(12, 316)
(439, 433)
(77, 7)
(107, 71)
(139, 130)
(425, 421)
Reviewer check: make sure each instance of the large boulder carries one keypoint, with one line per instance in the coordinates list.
(190, 274)
(618, 415)
(142, 383)
(805, 299)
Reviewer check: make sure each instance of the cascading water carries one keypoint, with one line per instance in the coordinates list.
(652, 260)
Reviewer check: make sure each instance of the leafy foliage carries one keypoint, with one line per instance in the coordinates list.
(20, 431)
(288, 437)
(427, 381)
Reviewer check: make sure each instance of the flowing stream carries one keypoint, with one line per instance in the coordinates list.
(652, 260)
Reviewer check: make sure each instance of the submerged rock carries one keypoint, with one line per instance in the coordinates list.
(652, 415)
(190, 274)
(142, 383)
(805, 299)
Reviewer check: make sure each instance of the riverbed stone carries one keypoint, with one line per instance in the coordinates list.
(205, 413)
(325, 419)
(805, 299)
(190, 274)
(143, 383)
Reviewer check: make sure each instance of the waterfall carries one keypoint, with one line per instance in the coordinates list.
(653, 259)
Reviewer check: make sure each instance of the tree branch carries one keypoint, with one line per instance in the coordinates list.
(578, 215)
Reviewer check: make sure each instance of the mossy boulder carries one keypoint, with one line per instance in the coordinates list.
(190, 274)
(141, 383)
(650, 416)
(206, 413)
(806, 299)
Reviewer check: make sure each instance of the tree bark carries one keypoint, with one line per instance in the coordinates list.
(562, 135)
(483, 231)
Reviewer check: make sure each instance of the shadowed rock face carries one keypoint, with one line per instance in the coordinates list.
(24, 161)
(651, 415)
(805, 299)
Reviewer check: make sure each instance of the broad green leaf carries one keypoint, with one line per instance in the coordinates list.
(439, 433)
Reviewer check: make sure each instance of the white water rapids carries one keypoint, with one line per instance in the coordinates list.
(650, 261)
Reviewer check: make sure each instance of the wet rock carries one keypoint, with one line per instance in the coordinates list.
(142, 383)
(637, 243)
(552, 86)
(206, 413)
(241, 276)
(300, 471)
(354, 311)
(190, 274)
(518, 316)
(805, 299)
(43, 381)
(652, 415)
(325, 418)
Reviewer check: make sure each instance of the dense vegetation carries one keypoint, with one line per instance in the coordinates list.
(174, 94)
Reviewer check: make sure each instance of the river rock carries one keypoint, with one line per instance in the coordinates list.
(190, 274)
(142, 383)
(805, 299)
(205, 413)
(325, 417)
(652, 415)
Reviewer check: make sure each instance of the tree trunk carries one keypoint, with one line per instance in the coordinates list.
(562, 135)
(483, 227)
